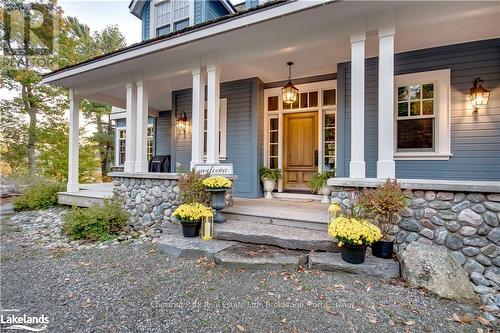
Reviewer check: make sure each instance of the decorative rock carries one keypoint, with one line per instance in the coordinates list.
(470, 251)
(452, 226)
(473, 266)
(407, 212)
(482, 289)
(491, 219)
(482, 259)
(411, 237)
(459, 197)
(493, 206)
(428, 224)
(475, 241)
(459, 257)
(439, 204)
(446, 215)
(478, 279)
(467, 231)
(419, 213)
(418, 194)
(440, 235)
(444, 196)
(430, 195)
(469, 217)
(478, 208)
(410, 225)
(437, 221)
(490, 250)
(492, 277)
(454, 242)
(427, 233)
(432, 268)
(429, 212)
(462, 205)
(483, 230)
(494, 236)
(418, 203)
(493, 197)
(475, 197)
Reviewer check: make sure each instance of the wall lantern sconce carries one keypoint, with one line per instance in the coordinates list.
(182, 122)
(290, 93)
(478, 95)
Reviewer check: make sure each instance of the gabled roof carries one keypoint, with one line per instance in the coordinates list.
(136, 6)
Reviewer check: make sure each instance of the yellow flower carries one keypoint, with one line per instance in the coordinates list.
(217, 182)
(192, 212)
(353, 231)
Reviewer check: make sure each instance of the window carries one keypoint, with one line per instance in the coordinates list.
(150, 142)
(273, 143)
(222, 129)
(171, 15)
(272, 103)
(121, 147)
(329, 140)
(305, 100)
(329, 97)
(422, 128)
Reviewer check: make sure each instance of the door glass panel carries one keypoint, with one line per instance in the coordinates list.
(274, 149)
(329, 120)
(273, 124)
(273, 162)
(330, 134)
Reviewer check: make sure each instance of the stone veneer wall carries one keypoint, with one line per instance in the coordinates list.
(467, 224)
(151, 201)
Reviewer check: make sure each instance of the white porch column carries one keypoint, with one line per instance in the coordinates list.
(386, 168)
(357, 164)
(213, 98)
(74, 128)
(199, 77)
(130, 133)
(141, 161)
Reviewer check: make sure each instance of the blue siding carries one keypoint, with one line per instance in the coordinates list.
(245, 104)
(474, 141)
(215, 9)
(163, 134)
(198, 10)
(251, 3)
(145, 21)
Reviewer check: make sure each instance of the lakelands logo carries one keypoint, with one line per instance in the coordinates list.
(23, 322)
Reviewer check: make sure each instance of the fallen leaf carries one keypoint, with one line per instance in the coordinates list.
(240, 328)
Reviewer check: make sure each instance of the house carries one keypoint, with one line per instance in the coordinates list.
(383, 90)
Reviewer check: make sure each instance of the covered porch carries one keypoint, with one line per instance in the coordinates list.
(225, 78)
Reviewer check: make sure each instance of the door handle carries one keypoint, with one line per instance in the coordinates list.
(316, 157)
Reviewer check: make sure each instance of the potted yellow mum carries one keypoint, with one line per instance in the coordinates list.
(354, 235)
(190, 216)
(217, 186)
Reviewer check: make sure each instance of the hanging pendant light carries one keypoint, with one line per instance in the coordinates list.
(290, 93)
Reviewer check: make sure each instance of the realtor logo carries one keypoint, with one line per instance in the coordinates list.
(17, 322)
(29, 28)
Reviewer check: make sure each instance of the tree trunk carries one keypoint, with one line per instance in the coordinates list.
(27, 97)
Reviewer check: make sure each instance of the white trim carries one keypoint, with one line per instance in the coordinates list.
(320, 109)
(74, 130)
(230, 24)
(222, 130)
(117, 144)
(442, 113)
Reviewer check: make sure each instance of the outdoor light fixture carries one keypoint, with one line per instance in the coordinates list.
(207, 227)
(333, 212)
(478, 95)
(290, 93)
(182, 121)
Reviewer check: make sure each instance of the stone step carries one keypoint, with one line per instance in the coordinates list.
(252, 257)
(269, 234)
(373, 266)
(82, 198)
(311, 225)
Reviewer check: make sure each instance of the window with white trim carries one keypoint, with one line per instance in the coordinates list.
(120, 147)
(273, 142)
(171, 15)
(222, 129)
(150, 142)
(422, 112)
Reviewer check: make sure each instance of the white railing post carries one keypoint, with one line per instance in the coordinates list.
(213, 73)
(199, 77)
(130, 134)
(141, 161)
(74, 128)
(357, 164)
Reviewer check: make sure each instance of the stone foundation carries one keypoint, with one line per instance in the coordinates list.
(466, 223)
(150, 197)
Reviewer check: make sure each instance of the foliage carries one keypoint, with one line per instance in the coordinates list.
(217, 182)
(271, 174)
(192, 189)
(318, 179)
(38, 196)
(98, 222)
(192, 212)
(385, 202)
(353, 231)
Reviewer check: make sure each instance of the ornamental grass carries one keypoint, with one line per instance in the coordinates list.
(192, 212)
(353, 231)
(217, 182)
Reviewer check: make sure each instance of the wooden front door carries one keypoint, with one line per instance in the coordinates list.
(300, 144)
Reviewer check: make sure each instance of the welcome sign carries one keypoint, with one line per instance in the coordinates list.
(225, 169)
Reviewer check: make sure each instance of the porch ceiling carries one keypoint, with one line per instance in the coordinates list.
(315, 45)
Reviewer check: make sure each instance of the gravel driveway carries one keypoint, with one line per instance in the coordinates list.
(133, 288)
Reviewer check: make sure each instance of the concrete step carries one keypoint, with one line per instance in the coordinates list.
(82, 198)
(255, 257)
(275, 235)
(373, 266)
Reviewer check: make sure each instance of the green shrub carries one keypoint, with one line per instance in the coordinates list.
(98, 222)
(271, 174)
(318, 179)
(38, 196)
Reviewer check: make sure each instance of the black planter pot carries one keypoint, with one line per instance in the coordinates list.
(383, 249)
(191, 229)
(353, 254)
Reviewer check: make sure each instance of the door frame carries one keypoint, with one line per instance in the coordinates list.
(278, 114)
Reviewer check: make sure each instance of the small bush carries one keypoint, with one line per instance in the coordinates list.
(38, 196)
(98, 222)
(192, 189)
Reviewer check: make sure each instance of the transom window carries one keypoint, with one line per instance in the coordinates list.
(416, 117)
(171, 15)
